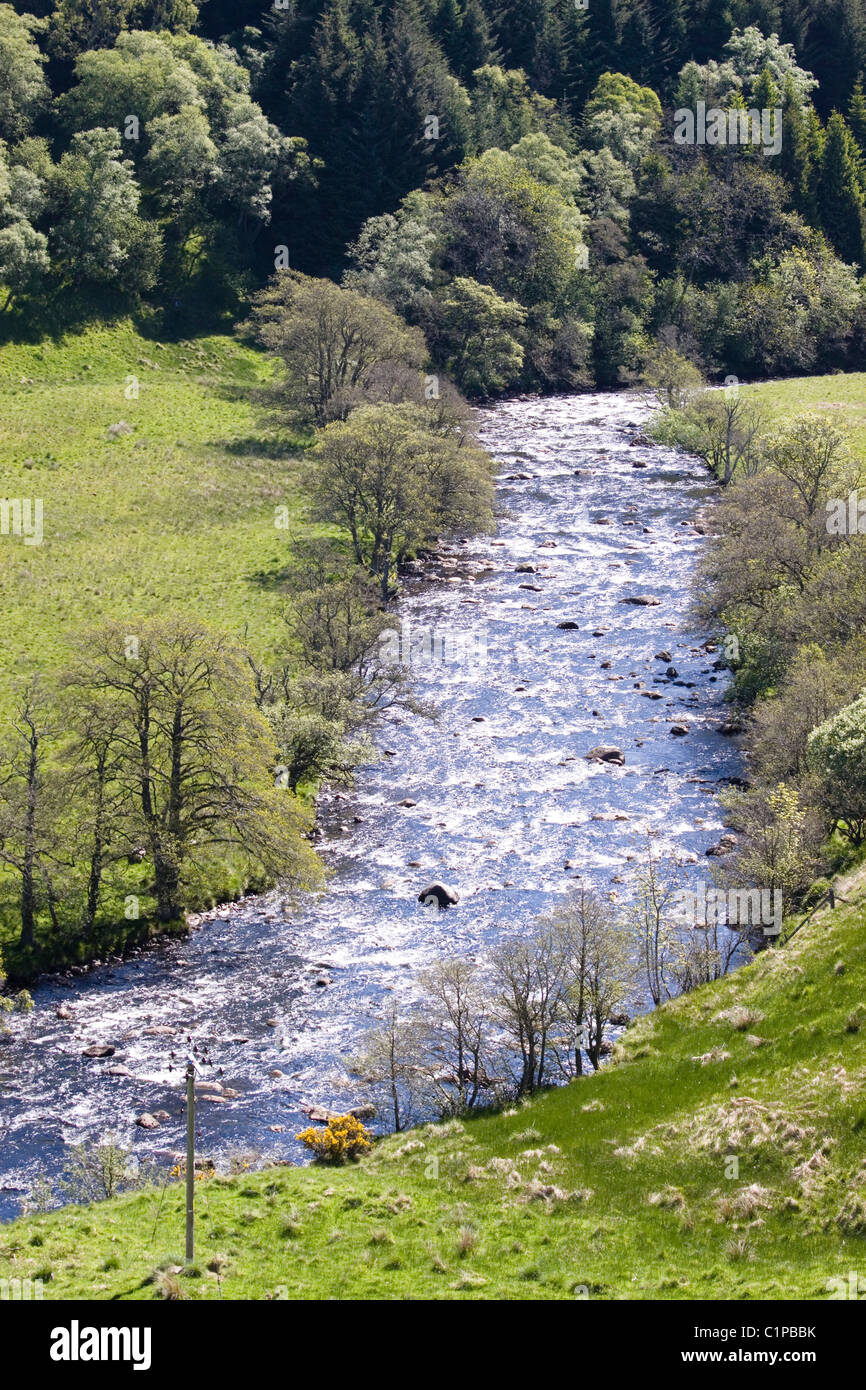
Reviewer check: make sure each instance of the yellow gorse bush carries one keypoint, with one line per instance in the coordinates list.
(343, 1137)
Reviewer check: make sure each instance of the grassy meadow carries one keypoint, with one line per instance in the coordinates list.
(178, 513)
(841, 397)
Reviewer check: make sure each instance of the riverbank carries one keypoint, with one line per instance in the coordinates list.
(496, 797)
(720, 1157)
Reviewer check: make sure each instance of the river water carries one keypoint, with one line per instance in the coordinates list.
(503, 801)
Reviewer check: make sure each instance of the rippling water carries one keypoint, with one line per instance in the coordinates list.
(503, 800)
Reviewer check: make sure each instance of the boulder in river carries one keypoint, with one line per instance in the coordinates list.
(727, 844)
(439, 894)
(642, 600)
(732, 727)
(606, 753)
(98, 1050)
(568, 626)
(679, 730)
(146, 1121)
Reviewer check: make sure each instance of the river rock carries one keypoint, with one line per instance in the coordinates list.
(319, 1114)
(146, 1121)
(63, 1011)
(407, 801)
(119, 1071)
(606, 753)
(98, 1050)
(672, 673)
(363, 1112)
(727, 844)
(642, 600)
(732, 727)
(439, 893)
(679, 730)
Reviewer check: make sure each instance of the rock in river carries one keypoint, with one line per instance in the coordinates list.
(98, 1050)
(606, 753)
(440, 894)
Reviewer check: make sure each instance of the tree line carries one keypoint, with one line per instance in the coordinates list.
(504, 177)
(783, 579)
(536, 1009)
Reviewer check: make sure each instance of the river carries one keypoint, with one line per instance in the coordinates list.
(277, 992)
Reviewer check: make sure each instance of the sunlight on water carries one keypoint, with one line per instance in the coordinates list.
(500, 807)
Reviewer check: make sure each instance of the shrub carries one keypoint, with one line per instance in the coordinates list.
(343, 1137)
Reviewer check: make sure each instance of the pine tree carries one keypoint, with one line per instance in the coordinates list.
(636, 46)
(795, 162)
(857, 116)
(840, 194)
(603, 39)
(476, 47)
(815, 137)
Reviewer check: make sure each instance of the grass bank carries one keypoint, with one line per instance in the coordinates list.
(177, 510)
(158, 484)
(841, 396)
(720, 1157)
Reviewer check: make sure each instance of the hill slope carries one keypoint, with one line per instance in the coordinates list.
(176, 508)
(619, 1186)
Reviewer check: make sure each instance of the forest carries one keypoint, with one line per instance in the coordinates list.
(506, 177)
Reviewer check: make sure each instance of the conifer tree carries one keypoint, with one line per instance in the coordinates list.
(841, 205)
(857, 116)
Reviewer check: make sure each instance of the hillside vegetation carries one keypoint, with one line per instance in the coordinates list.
(179, 511)
(719, 1157)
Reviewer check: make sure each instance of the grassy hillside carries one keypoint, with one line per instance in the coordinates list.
(842, 396)
(622, 1184)
(178, 512)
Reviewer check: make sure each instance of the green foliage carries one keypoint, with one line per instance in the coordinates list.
(23, 90)
(99, 235)
(333, 342)
(623, 1189)
(477, 337)
(837, 753)
(392, 477)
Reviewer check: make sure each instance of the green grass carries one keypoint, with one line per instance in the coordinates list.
(645, 1202)
(179, 514)
(841, 396)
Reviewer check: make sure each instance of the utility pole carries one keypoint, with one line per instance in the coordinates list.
(190, 1161)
